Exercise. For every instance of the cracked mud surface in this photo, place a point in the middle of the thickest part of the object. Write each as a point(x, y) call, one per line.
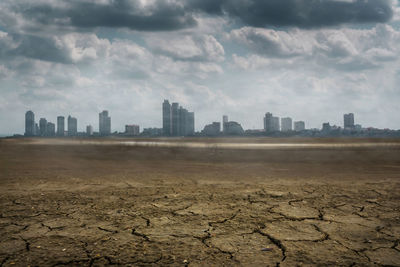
point(138, 206)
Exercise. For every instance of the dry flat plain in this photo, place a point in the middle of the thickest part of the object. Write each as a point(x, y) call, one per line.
point(116, 202)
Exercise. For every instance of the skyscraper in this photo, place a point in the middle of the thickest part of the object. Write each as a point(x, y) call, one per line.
point(104, 123)
point(50, 129)
point(60, 125)
point(190, 124)
point(72, 126)
point(224, 122)
point(268, 122)
point(183, 117)
point(175, 119)
point(348, 120)
point(29, 123)
point(167, 118)
point(275, 124)
point(299, 126)
point(42, 126)
point(286, 124)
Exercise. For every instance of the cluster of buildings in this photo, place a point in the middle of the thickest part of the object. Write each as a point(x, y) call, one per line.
point(48, 129)
point(273, 124)
point(178, 121)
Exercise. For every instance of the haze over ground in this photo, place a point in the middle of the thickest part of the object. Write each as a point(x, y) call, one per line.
point(310, 60)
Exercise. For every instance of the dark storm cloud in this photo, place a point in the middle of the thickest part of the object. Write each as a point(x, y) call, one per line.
point(298, 13)
point(162, 15)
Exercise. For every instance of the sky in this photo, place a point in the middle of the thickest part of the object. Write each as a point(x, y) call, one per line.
point(311, 60)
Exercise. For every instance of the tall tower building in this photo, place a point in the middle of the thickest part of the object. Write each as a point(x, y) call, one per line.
point(286, 124)
point(43, 126)
point(190, 123)
point(60, 125)
point(29, 123)
point(72, 126)
point(183, 117)
point(268, 127)
point(50, 129)
point(175, 119)
point(224, 122)
point(275, 124)
point(167, 118)
point(348, 120)
point(104, 123)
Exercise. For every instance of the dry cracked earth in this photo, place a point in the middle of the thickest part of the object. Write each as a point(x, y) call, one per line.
point(145, 206)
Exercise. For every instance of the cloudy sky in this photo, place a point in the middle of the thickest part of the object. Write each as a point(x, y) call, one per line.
point(311, 60)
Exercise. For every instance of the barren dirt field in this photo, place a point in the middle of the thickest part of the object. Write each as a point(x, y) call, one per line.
point(67, 202)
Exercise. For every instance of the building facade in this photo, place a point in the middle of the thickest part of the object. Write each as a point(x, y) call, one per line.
point(72, 126)
point(286, 124)
point(30, 123)
point(89, 130)
point(42, 126)
point(60, 125)
point(213, 129)
point(233, 128)
point(132, 130)
point(299, 126)
point(348, 120)
point(104, 123)
point(177, 121)
point(50, 129)
point(166, 118)
point(224, 122)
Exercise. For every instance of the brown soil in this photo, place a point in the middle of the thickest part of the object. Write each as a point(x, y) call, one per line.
point(95, 205)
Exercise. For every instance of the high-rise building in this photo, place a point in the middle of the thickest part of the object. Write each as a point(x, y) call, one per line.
point(42, 126)
point(60, 125)
point(167, 118)
point(50, 129)
point(72, 126)
point(348, 120)
point(132, 130)
point(190, 124)
point(286, 124)
point(104, 123)
point(268, 127)
point(224, 122)
point(271, 123)
point(37, 131)
point(29, 123)
point(175, 119)
point(299, 126)
point(275, 124)
point(89, 130)
point(183, 119)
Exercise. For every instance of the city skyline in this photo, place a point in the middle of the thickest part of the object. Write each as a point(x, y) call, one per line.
point(216, 57)
point(178, 121)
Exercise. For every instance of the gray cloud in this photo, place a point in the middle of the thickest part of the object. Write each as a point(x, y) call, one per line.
point(298, 13)
point(160, 15)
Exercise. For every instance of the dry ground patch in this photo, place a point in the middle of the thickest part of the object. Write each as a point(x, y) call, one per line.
point(100, 205)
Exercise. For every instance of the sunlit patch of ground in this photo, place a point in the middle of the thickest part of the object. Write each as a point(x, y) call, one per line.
point(337, 203)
